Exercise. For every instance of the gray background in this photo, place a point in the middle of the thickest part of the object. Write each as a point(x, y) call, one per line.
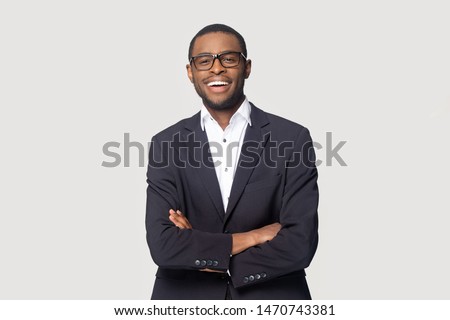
point(77, 74)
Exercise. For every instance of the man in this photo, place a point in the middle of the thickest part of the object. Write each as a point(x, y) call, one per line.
point(232, 191)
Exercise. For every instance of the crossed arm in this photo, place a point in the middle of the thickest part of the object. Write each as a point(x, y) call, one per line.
point(241, 241)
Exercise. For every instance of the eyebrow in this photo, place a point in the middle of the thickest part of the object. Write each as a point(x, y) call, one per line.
point(210, 53)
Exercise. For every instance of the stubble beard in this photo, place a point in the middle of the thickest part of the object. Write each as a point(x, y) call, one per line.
point(231, 102)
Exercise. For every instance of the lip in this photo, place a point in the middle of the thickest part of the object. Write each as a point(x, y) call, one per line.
point(219, 89)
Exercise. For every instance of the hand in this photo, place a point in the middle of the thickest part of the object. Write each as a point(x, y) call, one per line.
point(179, 219)
point(243, 241)
point(211, 270)
point(266, 233)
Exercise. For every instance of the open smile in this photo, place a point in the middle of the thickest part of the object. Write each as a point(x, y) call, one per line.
point(218, 86)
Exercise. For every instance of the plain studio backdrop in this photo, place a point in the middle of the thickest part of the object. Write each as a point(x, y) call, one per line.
point(75, 75)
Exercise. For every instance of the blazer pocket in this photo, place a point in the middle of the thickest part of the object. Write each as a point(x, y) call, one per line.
point(261, 184)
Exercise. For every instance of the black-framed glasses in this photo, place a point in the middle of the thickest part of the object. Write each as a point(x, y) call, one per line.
point(205, 61)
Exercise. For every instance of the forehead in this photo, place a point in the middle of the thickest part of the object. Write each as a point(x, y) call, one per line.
point(215, 42)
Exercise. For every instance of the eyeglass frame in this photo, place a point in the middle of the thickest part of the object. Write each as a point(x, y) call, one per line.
point(216, 56)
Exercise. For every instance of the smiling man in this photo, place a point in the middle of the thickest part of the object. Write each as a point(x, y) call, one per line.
point(232, 191)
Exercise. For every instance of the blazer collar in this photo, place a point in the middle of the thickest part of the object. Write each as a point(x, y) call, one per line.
point(257, 116)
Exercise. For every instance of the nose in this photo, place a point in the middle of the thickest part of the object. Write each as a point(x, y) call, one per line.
point(217, 67)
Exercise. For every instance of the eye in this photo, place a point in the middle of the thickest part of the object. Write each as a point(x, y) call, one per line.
point(229, 59)
point(204, 60)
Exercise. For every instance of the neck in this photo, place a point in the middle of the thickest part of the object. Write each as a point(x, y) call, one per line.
point(223, 116)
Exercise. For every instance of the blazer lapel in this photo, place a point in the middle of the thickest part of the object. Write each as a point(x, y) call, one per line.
point(256, 137)
point(201, 157)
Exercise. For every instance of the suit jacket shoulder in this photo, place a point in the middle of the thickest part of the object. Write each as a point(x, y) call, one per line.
point(168, 133)
point(279, 127)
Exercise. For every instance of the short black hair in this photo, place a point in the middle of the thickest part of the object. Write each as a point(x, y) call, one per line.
point(218, 28)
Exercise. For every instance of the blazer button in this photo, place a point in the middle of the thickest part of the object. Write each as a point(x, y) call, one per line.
point(203, 263)
point(215, 263)
point(197, 262)
point(257, 276)
point(251, 278)
point(209, 262)
point(263, 275)
point(245, 279)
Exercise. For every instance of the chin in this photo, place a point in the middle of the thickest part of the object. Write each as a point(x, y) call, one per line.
point(226, 104)
point(220, 106)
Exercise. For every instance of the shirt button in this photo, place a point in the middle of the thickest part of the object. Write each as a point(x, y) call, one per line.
point(224, 140)
point(226, 169)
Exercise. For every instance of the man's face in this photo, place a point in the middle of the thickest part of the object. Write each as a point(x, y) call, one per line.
point(220, 88)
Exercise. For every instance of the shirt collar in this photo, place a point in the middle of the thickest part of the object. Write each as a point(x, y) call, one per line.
point(243, 111)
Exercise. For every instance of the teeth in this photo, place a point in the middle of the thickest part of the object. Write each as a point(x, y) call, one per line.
point(217, 83)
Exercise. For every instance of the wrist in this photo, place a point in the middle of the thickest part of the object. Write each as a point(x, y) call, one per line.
point(254, 238)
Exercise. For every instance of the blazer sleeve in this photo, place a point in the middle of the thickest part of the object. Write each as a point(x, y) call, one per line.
point(294, 246)
point(171, 247)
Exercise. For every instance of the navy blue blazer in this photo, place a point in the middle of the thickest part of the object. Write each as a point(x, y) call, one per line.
point(275, 181)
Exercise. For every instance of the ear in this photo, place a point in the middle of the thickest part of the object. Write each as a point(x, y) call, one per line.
point(248, 68)
point(189, 73)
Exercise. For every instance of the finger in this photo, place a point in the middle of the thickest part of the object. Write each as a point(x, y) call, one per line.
point(210, 270)
point(181, 221)
point(188, 224)
point(177, 220)
point(175, 214)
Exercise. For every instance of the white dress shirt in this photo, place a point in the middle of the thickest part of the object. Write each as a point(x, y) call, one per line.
point(226, 145)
